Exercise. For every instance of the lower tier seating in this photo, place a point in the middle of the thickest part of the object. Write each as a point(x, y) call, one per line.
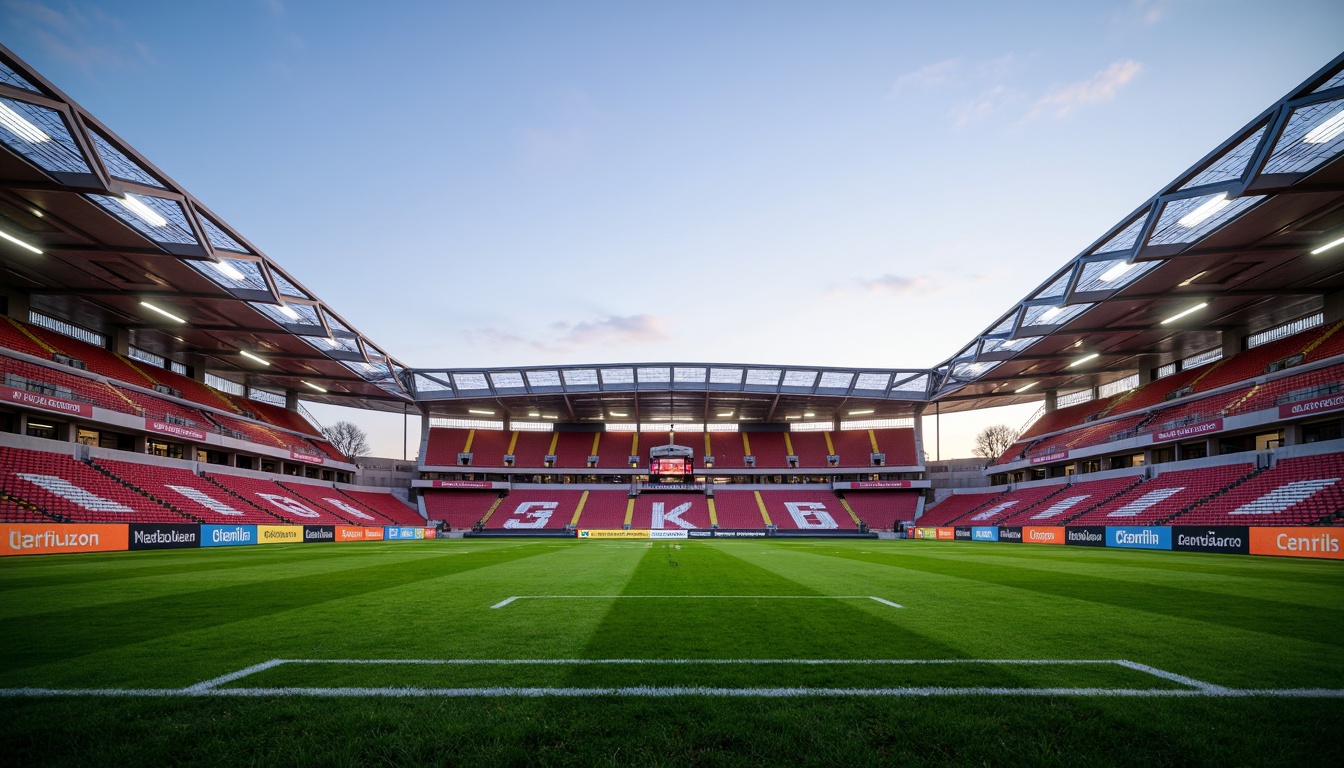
point(1075, 500)
point(883, 510)
point(1298, 491)
point(71, 491)
point(278, 500)
point(183, 490)
point(955, 507)
point(386, 505)
point(459, 510)
point(1165, 495)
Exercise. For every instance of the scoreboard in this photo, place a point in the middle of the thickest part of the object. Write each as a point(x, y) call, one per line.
point(670, 469)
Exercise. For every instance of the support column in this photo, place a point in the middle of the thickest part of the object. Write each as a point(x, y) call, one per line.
point(1232, 340)
point(16, 304)
point(1333, 309)
point(291, 400)
point(1051, 400)
point(120, 340)
point(1146, 365)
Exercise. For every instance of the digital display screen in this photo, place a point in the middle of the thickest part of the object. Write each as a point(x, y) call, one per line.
point(670, 469)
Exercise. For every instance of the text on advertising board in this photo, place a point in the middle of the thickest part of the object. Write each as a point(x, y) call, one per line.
point(45, 402)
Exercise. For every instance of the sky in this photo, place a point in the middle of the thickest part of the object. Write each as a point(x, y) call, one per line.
point(847, 183)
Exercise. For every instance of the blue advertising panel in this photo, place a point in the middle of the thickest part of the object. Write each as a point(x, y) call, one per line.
point(1139, 537)
point(984, 533)
point(402, 533)
point(228, 535)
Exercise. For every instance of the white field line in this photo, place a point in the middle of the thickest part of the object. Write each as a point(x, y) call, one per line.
point(1197, 688)
point(505, 602)
point(647, 691)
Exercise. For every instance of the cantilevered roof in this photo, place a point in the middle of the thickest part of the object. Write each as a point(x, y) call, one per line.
point(1234, 233)
point(116, 233)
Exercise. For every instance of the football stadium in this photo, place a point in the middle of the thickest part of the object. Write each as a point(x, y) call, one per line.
point(713, 562)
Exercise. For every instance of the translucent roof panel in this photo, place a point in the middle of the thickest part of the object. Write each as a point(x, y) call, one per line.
point(763, 377)
point(507, 380)
point(40, 134)
point(219, 239)
point(873, 382)
point(368, 371)
point(1111, 275)
point(1334, 82)
point(972, 371)
point(543, 378)
point(1231, 165)
point(620, 376)
point(800, 378)
point(158, 219)
point(1313, 135)
point(10, 77)
point(426, 384)
point(223, 273)
point(474, 382)
point(835, 380)
point(1057, 287)
point(654, 375)
point(285, 287)
point(1046, 315)
point(1008, 345)
point(1006, 325)
point(304, 314)
point(120, 166)
point(334, 324)
point(1123, 241)
point(918, 383)
point(580, 377)
point(1194, 218)
point(725, 375)
point(333, 343)
point(689, 375)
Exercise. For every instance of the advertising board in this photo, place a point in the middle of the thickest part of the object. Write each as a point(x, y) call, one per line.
point(163, 536)
point(55, 538)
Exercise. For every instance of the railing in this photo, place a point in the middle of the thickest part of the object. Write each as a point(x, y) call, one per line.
point(1307, 393)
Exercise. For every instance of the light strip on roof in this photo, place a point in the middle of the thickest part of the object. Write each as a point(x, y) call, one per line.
point(40, 426)
point(1020, 390)
point(289, 312)
point(1322, 249)
point(1326, 130)
point(1195, 217)
point(550, 417)
point(1050, 314)
point(534, 415)
point(480, 412)
point(314, 386)
point(148, 215)
point(20, 127)
point(1082, 360)
point(228, 270)
point(162, 311)
point(1116, 272)
point(863, 412)
point(1179, 315)
point(619, 414)
point(22, 244)
point(253, 357)
point(726, 415)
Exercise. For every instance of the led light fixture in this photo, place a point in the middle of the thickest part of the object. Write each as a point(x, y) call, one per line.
point(1082, 360)
point(144, 212)
point(162, 311)
point(253, 357)
point(1179, 315)
point(1197, 216)
point(314, 386)
point(19, 243)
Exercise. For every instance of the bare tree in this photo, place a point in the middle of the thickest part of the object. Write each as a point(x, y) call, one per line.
point(993, 441)
point(347, 438)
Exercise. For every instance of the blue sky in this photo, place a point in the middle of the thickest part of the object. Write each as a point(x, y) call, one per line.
point(865, 184)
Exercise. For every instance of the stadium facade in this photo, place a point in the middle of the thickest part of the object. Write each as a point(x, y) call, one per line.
point(1190, 362)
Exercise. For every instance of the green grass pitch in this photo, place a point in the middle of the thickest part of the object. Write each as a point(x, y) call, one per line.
point(153, 641)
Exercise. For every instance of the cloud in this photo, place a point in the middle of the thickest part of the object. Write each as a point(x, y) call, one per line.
point(1147, 12)
point(567, 337)
point(983, 105)
point(929, 75)
point(1061, 101)
point(84, 36)
point(900, 285)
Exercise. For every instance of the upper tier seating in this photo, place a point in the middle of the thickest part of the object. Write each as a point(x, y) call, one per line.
point(1074, 501)
point(615, 449)
point(882, 510)
point(531, 509)
point(459, 510)
point(1154, 393)
point(1297, 491)
point(278, 500)
point(855, 446)
point(810, 448)
point(529, 449)
point(275, 415)
point(70, 490)
point(1157, 499)
point(952, 508)
point(572, 449)
point(727, 450)
point(487, 446)
point(16, 336)
point(69, 386)
point(769, 450)
point(183, 490)
point(386, 505)
point(1309, 384)
point(899, 446)
point(97, 359)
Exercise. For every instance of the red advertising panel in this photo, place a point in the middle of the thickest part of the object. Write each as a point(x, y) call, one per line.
point(43, 539)
point(1298, 542)
point(880, 484)
point(310, 458)
point(1314, 405)
point(1187, 431)
point(175, 430)
point(1043, 535)
point(463, 484)
point(947, 534)
point(431, 533)
point(45, 402)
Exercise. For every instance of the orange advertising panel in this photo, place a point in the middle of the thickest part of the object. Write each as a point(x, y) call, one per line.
point(42, 539)
point(1298, 542)
point(1043, 535)
point(430, 533)
point(357, 533)
point(947, 534)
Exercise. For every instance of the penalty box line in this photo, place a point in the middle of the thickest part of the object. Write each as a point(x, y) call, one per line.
point(509, 600)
